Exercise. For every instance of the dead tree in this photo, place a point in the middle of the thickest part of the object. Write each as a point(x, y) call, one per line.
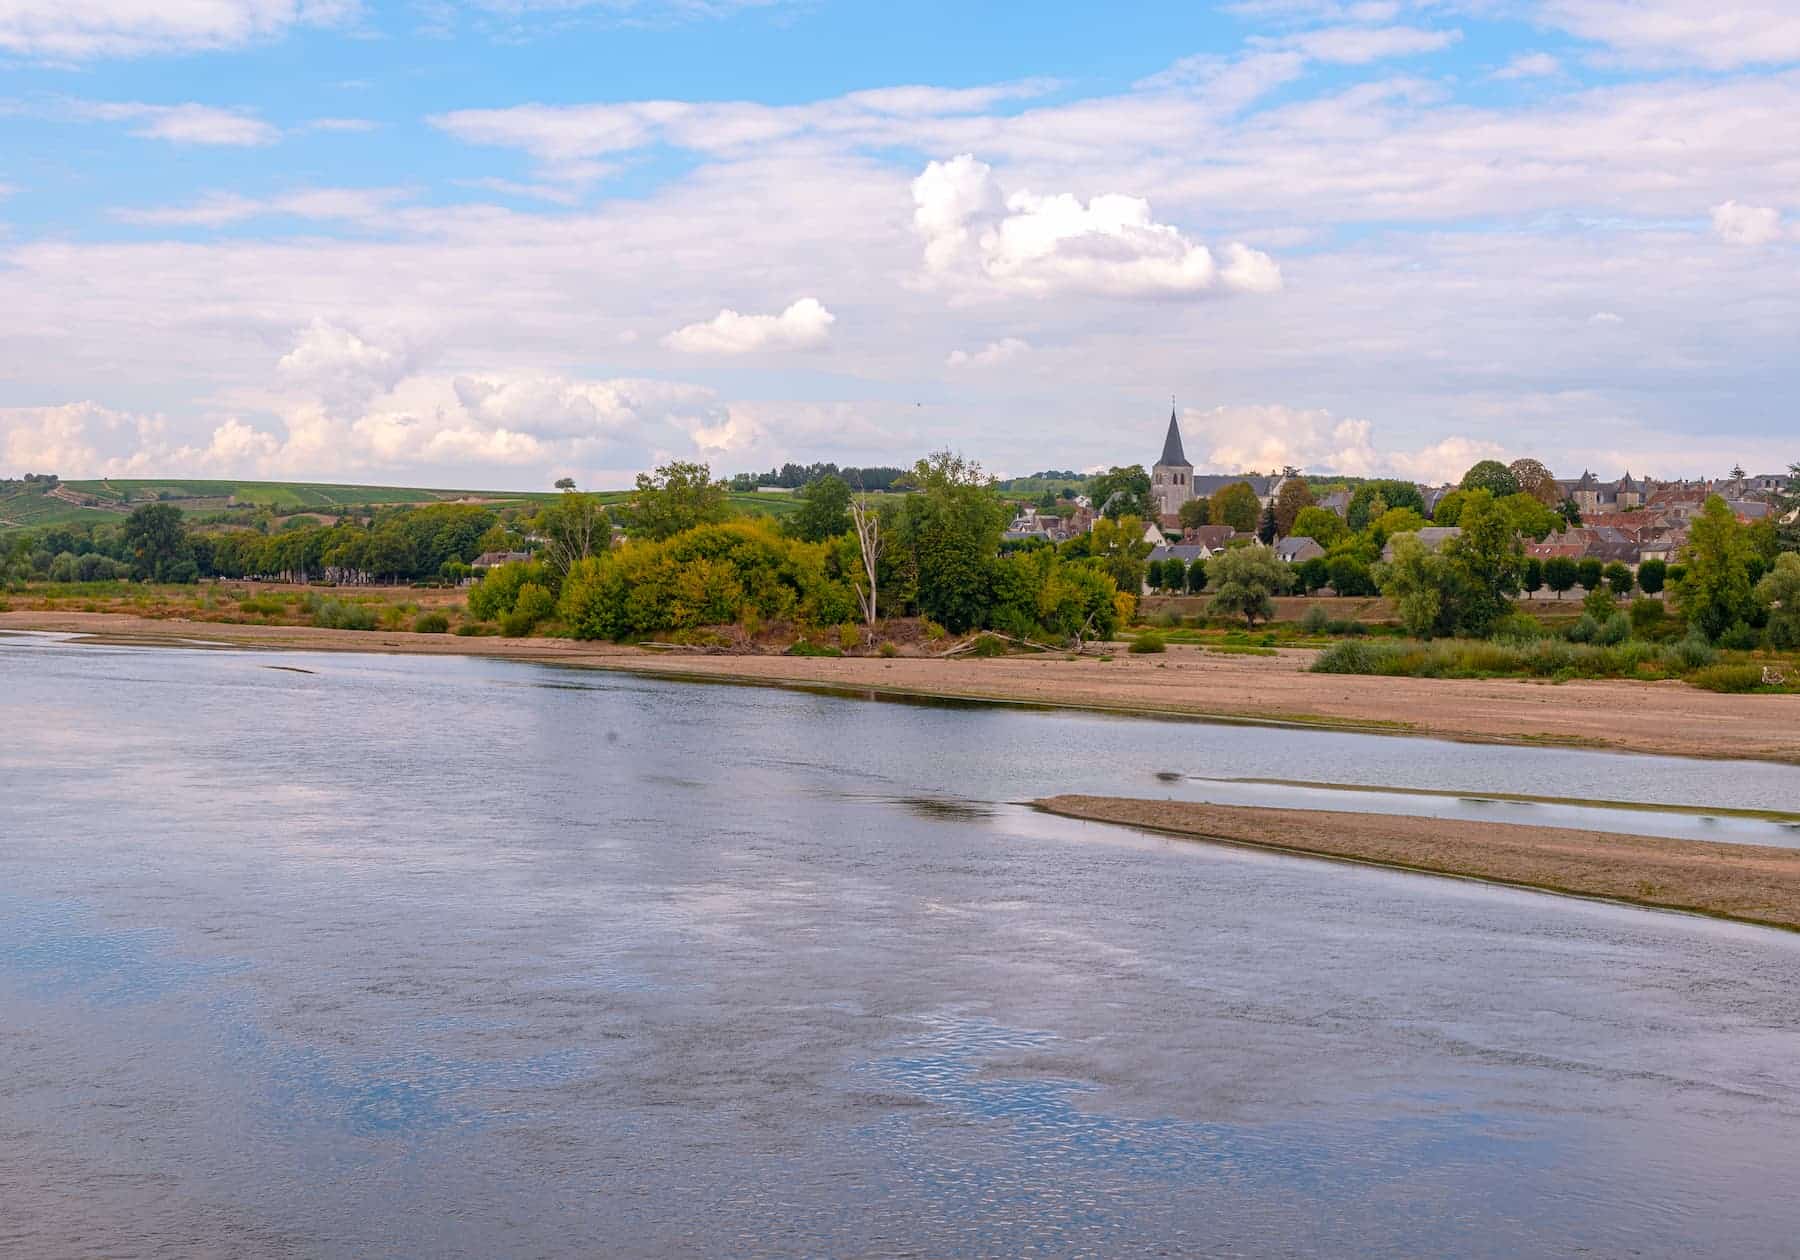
point(868, 540)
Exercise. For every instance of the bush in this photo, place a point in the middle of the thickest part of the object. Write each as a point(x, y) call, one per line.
point(331, 614)
point(988, 645)
point(1148, 642)
point(1691, 653)
point(1359, 658)
point(1613, 631)
point(849, 636)
point(1584, 630)
point(531, 605)
point(470, 629)
point(1518, 627)
point(806, 647)
point(1741, 637)
point(887, 649)
point(431, 623)
point(1647, 617)
point(1315, 620)
point(1730, 678)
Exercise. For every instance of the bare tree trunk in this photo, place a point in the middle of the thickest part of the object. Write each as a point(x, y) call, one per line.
point(868, 539)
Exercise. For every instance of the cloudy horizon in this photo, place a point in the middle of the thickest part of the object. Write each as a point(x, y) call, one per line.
point(489, 243)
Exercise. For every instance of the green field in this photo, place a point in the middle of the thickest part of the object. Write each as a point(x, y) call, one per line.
point(30, 509)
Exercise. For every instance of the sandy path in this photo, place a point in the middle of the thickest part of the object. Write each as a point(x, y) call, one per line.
point(1668, 717)
point(1738, 881)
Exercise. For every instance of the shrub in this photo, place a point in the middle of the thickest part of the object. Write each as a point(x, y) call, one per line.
point(531, 604)
point(1584, 630)
point(1315, 620)
point(848, 636)
point(887, 649)
point(805, 647)
point(470, 629)
point(1359, 658)
point(988, 645)
point(1741, 636)
point(1518, 627)
point(1647, 617)
point(1613, 631)
point(431, 623)
point(1149, 642)
point(334, 615)
point(1730, 678)
point(1690, 653)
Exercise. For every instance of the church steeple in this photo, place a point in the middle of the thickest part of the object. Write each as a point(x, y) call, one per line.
point(1172, 455)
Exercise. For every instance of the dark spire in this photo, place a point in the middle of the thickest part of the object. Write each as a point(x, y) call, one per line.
point(1172, 455)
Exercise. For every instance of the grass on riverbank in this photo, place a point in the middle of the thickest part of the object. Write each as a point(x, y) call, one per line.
point(1559, 661)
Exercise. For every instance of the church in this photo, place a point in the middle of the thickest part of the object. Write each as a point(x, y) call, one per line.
point(1172, 481)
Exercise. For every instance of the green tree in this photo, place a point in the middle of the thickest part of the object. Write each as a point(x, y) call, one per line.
point(1237, 506)
point(1267, 529)
point(1245, 581)
point(1449, 508)
point(1531, 576)
point(574, 528)
point(1560, 574)
point(1174, 575)
point(1312, 574)
point(1120, 549)
point(1590, 571)
point(1153, 574)
point(1130, 483)
point(1620, 578)
point(1493, 476)
point(1295, 497)
point(824, 511)
point(1196, 577)
point(1350, 575)
point(678, 496)
point(1195, 513)
point(950, 528)
point(155, 540)
point(1529, 517)
point(1322, 525)
point(1651, 575)
point(1421, 583)
point(1780, 590)
point(1390, 494)
point(1570, 512)
point(1715, 592)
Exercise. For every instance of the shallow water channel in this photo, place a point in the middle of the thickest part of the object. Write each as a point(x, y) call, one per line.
point(452, 957)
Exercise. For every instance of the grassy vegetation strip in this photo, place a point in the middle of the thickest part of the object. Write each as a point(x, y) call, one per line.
point(1526, 798)
point(1752, 883)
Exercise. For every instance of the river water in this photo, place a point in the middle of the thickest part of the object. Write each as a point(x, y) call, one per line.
point(448, 957)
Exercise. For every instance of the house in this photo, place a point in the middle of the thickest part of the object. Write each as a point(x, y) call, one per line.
point(1433, 536)
point(1187, 553)
point(494, 559)
point(1211, 539)
point(1433, 495)
point(1337, 501)
point(1298, 550)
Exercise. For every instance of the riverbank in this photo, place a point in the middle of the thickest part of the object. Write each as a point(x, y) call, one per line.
point(1750, 883)
point(1668, 718)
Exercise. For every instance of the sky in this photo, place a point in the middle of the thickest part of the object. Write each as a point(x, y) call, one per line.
point(490, 243)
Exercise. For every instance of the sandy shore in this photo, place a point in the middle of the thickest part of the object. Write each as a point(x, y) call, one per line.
point(1669, 717)
point(1735, 881)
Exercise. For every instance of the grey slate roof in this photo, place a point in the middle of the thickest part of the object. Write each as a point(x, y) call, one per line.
point(1172, 455)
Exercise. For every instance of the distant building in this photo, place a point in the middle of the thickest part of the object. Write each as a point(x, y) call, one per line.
point(1433, 536)
point(1172, 480)
point(1297, 549)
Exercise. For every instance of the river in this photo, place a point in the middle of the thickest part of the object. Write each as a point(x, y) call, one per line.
point(336, 955)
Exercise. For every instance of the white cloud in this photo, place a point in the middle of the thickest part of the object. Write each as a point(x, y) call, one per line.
point(183, 124)
point(344, 125)
point(1269, 437)
point(1039, 245)
point(79, 30)
point(219, 209)
point(1537, 65)
point(804, 325)
point(995, 352)
point(1605, 317)
point(1360, 45)
point(1684, 32)
point(341, 367)
point(1737, 224)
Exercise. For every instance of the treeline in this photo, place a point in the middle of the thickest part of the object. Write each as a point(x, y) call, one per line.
point(793, 476)
point(838, 560)
point(156, 543)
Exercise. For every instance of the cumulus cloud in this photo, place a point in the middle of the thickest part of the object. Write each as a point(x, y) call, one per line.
point(1445, 461)
point(184, 124)
point(64, 31)
point(88, 439)
point(340, 366)
point(1737, 224)
point(1003, 351)
point(1530, 66)
point(805, 325)
point(1040, 245)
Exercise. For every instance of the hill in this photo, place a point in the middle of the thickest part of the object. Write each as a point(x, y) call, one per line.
point(26, 505)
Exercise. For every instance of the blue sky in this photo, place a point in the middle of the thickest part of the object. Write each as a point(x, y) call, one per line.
point(491, 242)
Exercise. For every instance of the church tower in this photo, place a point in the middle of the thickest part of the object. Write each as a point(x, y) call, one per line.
point(1172, 480)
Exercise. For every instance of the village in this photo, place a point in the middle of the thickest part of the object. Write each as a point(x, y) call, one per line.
point(1187, 517)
